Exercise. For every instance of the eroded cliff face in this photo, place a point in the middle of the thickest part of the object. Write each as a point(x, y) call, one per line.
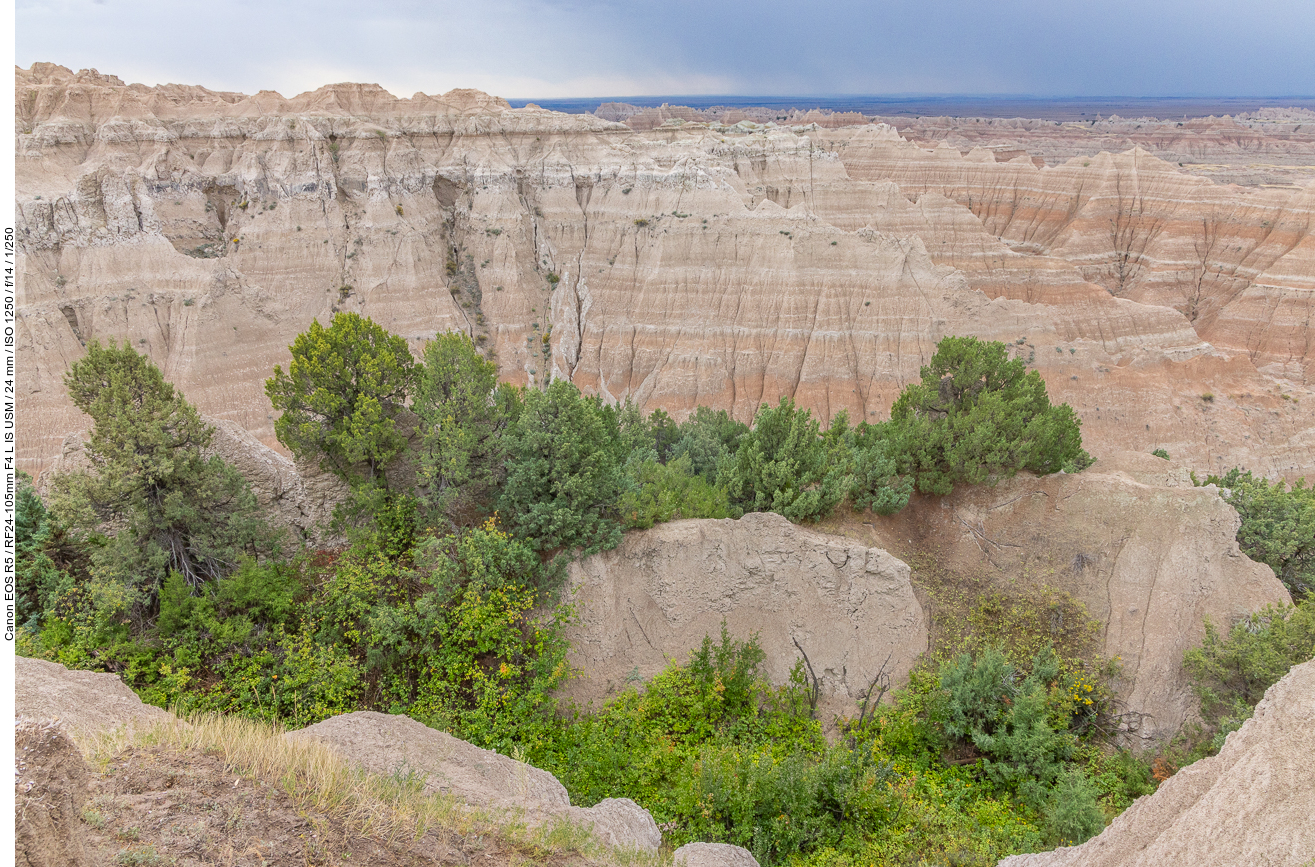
point(1149, 556)
point(679, 266)
point(849, 607)
point(1249, 805)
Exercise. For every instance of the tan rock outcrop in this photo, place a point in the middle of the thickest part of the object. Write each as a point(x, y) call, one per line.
point(51, 785)
point(388, 744)
point(85, 703)
point(713, 855)
point(685, 265)
point(1148, 555)
point(654, 599)
point(1250, 805)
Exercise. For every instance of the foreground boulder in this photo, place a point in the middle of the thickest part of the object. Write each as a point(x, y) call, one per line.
point(713, 855)
point(387, 744)
point(1250, 805)
point(50, 781)
point(85, 702)
point(654, 598)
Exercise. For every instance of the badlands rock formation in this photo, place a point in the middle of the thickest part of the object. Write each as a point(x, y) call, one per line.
point(713, 855)
point(50, 781)
point(1148, 555)
point(83, 702)
point(1250, 805)
point(654, 599)
point(683, 265)
point(384, 744)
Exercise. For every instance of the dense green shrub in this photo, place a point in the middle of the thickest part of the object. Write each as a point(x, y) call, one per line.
point(877, 484)
point(664, 492)
point(1008, 716)
point(1072, 811)
point(978, 416)
point(783, 465)
point(565, 479)
point(38, 581)
point(1230, 674)
point(1278, 525)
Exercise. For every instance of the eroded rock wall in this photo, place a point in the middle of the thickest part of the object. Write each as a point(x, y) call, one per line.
point(652, 600)
point(1149, 556)
point(1249, 805)
point(678, 266)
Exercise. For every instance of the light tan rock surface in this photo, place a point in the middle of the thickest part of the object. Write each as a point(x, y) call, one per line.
point(1148, 555)
point(678, 266)
point(84, 702)
point(50, 782)
point(1249, 806)
point(713, 855)
point(654, 598)
point(388, 744)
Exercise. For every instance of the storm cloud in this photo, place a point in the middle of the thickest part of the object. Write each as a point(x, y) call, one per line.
point(560, 48)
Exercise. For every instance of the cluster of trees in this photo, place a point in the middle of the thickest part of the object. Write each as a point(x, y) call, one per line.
point(467, 499)
point(442, 440)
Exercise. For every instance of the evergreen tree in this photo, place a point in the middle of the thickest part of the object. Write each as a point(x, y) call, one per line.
point(784, 465)
point(977, 416)
point(38, 580)
point(150, 486)
point(710, 439)
point(464, 414)
point(342, 396)
point(565, 481)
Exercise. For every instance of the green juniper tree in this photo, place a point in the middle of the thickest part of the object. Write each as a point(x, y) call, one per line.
point(165, 505)
point(784, 465)
point(342, 396)
point(565, 479)
point(978, 416)
point(464, 414)
point(343, 400)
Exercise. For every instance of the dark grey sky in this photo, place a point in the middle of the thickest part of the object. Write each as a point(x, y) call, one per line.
point(560, 48)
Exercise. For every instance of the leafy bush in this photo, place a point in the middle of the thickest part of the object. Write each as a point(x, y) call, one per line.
point(1007, 716)
point(1072, 812)
point(670, 491)
point(1230, 674)
point(783, 466)
point(1278, 525)
point(978, 416)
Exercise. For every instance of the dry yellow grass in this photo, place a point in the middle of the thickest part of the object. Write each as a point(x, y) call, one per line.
point(388, 808)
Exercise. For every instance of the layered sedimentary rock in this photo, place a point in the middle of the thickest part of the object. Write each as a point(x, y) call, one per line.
point(1249, 805)
point(684, 265)
point(1150, 557)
